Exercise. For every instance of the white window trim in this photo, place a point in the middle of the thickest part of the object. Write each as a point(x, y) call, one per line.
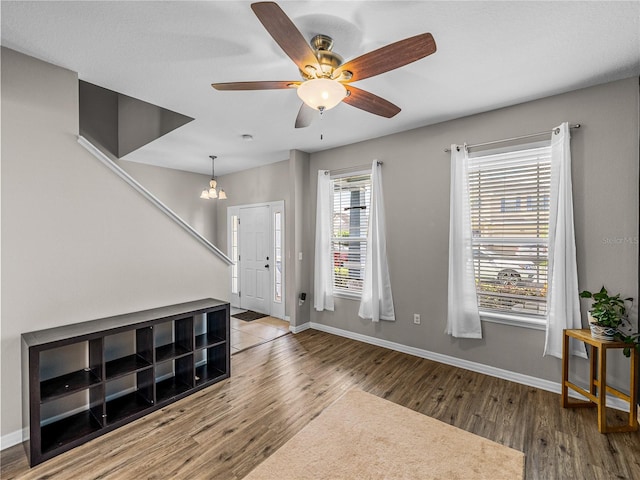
point(513, 320)
point(347, 295)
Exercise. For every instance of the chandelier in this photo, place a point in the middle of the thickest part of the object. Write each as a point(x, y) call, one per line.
point(212, 192)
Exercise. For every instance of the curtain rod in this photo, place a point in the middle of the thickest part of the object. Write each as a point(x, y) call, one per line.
point(348, 169)
point(555, 130)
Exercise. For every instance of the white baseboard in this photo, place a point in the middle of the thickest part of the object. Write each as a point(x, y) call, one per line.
point(555, 387)
point(13, 438)
point(300, 328)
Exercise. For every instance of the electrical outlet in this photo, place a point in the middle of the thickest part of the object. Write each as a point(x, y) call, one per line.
point(416, 318)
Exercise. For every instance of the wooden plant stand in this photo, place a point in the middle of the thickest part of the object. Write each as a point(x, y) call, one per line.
point(598, 380)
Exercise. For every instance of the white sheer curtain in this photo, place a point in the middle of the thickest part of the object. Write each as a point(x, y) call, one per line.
point(463, 319)
point(323, 270)
point(376, 302)
point(563, 305)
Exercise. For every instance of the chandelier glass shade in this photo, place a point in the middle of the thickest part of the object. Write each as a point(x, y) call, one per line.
point(212, 192)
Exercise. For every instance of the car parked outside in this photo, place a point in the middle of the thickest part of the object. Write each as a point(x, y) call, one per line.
point(494, 267)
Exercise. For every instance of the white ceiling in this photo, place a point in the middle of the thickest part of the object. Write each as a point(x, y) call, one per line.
point(490, 54)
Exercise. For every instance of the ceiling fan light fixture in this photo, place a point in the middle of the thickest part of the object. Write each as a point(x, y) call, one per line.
point(322, 93)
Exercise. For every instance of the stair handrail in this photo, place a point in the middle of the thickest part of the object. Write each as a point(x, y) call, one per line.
point(114, 167)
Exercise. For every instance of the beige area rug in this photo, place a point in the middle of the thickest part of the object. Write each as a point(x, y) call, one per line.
point(362, 436)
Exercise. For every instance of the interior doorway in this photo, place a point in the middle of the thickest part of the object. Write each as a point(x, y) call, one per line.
point(256, 245)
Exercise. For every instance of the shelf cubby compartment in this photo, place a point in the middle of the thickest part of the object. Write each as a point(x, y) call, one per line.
point(211, 329)
point(83, 359)
point(72, 426)
point(173, 339)
point(207, 340)
point(211, 364)
point(129, 395)
point(67, 384)
point(128, 352)
point(68, 430)
point(173, 378)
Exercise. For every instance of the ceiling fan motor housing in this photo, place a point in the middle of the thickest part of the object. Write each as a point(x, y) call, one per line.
point(328, 59)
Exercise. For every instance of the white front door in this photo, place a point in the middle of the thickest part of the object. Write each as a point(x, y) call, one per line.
point(255, 262)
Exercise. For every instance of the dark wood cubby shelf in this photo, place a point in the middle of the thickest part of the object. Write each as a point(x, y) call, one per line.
point(126, 406)
point(101, 385)
point(125, 365)
point(170, 351)
point(170, 388)
point(208, 373)
point(58, 434)
point(208, 340)
point(66, 384)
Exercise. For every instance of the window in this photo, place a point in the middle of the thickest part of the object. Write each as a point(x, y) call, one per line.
point(277, 247)
point(509, 201)
point(350, 219)
point(234, 254)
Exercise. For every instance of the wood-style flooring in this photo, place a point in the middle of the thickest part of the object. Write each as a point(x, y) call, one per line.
point(277, 388)
point(248, 334)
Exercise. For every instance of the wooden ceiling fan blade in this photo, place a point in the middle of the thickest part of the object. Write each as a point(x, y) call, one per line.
point(370, 103)
point(285, 33)
point(390, 57)
point(255, 85)
point(306, 115)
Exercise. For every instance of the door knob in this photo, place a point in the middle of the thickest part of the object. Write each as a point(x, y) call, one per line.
point(266, 266)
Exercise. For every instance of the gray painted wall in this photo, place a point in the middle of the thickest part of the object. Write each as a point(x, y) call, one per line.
point(416, 180)
point(180, 191)
point(269, 183)
point(122, 124)
point(298, 173)
point(99, 116)
point(77, 242)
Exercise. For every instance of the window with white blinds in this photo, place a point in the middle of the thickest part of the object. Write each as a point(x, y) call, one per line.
point(350, 220)
point(509, 202)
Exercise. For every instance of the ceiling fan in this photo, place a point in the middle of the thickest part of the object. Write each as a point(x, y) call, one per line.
point(326, 80)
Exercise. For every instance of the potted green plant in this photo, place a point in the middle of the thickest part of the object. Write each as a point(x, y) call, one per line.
point(606, 314)
point(634, 338)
